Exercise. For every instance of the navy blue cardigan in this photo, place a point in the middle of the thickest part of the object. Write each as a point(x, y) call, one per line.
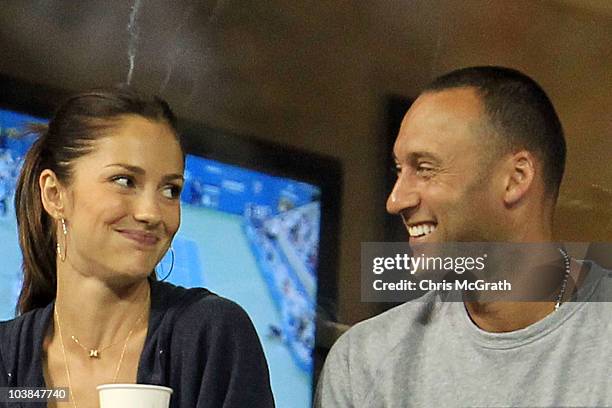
point(201, 345)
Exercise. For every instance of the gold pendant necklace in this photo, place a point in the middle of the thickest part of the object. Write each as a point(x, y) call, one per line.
point(95, 352)
point(127, 340)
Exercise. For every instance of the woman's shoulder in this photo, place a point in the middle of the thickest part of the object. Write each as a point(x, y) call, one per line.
point(19, 338)
point(198, 308)
point(210, 345)
point(27, 324)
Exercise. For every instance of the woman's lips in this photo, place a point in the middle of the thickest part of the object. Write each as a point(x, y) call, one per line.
point(140, 237)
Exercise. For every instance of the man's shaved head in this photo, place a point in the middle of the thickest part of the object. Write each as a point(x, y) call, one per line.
point(518, 112)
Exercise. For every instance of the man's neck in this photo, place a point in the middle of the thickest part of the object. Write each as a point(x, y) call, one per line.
point(507, 316)
point(500, 317)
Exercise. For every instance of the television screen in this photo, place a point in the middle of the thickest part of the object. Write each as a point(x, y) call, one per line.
point(247, 235)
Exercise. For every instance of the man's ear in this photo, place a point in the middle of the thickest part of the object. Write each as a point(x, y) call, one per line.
point(51, 193)
point(520, 176)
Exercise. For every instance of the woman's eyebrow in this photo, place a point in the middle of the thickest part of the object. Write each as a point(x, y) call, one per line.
point(133, 169)
point(141, 171)
point(175, 176)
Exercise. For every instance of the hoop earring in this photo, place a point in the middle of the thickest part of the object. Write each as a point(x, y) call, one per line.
point(60, 253)
point(171, 265)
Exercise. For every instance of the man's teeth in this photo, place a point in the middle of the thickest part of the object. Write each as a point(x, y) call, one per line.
point(421, 230)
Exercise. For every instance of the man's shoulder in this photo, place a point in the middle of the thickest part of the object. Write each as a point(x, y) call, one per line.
point(597, 286)
point(374, 349)
point(604, 288)
point(383, 334)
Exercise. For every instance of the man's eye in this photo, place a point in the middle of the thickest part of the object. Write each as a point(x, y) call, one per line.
point(424, 170)
point(171, 192)
point(397, 169)
point(123, 181)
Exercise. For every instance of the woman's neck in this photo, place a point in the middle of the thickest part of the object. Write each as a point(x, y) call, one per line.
point(96, 313)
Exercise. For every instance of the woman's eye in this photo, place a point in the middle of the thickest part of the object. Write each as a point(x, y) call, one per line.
point(123, 181)
point(171, 192)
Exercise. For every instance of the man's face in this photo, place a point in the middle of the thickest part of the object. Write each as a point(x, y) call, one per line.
point(446, 188)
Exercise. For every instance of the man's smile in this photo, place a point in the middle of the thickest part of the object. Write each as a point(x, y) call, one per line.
point(421, 229)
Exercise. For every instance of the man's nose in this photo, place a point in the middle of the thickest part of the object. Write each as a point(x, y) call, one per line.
point(404, 196)
point(147, 208)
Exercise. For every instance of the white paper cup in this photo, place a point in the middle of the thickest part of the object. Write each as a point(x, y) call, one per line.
point(134, 396)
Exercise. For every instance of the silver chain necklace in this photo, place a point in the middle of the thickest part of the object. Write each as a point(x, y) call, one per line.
point(566, 263)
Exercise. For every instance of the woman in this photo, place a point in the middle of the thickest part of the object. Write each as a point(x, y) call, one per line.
point(97, 208)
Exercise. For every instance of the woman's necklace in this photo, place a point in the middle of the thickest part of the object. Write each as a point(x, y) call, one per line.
point(127, 340)
point(95, 352)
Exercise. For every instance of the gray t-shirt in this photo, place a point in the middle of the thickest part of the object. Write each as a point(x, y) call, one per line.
point(429, 353)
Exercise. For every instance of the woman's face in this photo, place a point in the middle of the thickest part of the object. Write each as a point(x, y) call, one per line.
point(123, 205)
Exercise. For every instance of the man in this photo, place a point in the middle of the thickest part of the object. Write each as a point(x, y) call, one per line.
point(480, 156)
